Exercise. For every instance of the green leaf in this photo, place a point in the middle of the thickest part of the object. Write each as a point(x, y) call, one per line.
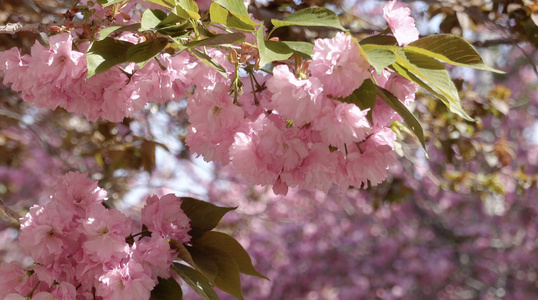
point(175, 30)
point(379, 58)
point(103, 55)
point(106, 3)
point(219, 267)
point(238, 9)
point(380, 39)
point(182, 252)
point(218, 39)
point(204, 215)
point(364, 97)
point(166, 289)
point(400, 108)
point(117, 29)
point(107, 31)
point(237, 23)
point(312, 16)
point(170, 20)
point(209, 61)
point(169, 3)
point(151, 18)
point(189, 7)
point(432, 74)
point(196, 281)
point(303, 49)
point(220, 15)
point(143, 52)
point(451, 49)
point(230, 246)
point(271, 50)
point(205, 264)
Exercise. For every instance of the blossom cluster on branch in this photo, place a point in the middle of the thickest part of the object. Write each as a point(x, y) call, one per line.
point(82, 250)
point(282, 113)
point(286, 129)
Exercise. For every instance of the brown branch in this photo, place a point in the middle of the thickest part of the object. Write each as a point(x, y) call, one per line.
point(10, 214)
point(12, 28)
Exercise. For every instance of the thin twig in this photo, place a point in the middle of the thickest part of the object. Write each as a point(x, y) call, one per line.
point(12, 28)
point(10, 214)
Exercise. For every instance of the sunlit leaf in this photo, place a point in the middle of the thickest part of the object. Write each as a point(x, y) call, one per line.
point(104, 33)
point(238, 9)
point(303, 49)
point(151, 18)
point(189, 7)
point(271, 50)
point(106, 3)
point(168, 3)
point(379, 58)
point(380, 39)
point(432, 76)
point(451, 49)
point(105, 54)
point(312, 16)
point(220, 15)
point(218, 39)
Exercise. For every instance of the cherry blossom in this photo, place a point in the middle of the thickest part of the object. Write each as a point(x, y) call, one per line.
point(402, 25)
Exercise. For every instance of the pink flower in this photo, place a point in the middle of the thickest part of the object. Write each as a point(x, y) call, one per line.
point(245, 159)
point(402, 88)
point(14, 67)
point(214, 121)
point(14, 296)
point(61, 65)
point(44, 296)
point(317, 170)
point(212, 148)
point(400, 22)
point(127, 282)
point(15, 279)
point(383, 114)
point(76, 192)
point(165, 217)
point(154, 255)
point(296, 100)
point(105, 231)
point(338, 64)
point(154, 84)
point(342, 123)
point(43, 231)
point(370, 165)
point(62, 269)
point(213, 111)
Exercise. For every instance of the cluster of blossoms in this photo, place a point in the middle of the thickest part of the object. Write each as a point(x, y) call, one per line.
point(56, 77)
point(82, 250)
point(287, 129)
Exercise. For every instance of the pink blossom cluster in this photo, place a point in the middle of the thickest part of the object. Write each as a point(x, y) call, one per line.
point(82, 250)
point(56, 77)
point(289, 130)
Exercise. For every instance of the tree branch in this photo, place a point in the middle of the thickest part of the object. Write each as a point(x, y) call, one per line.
point(12, 28)
point(10, 214)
